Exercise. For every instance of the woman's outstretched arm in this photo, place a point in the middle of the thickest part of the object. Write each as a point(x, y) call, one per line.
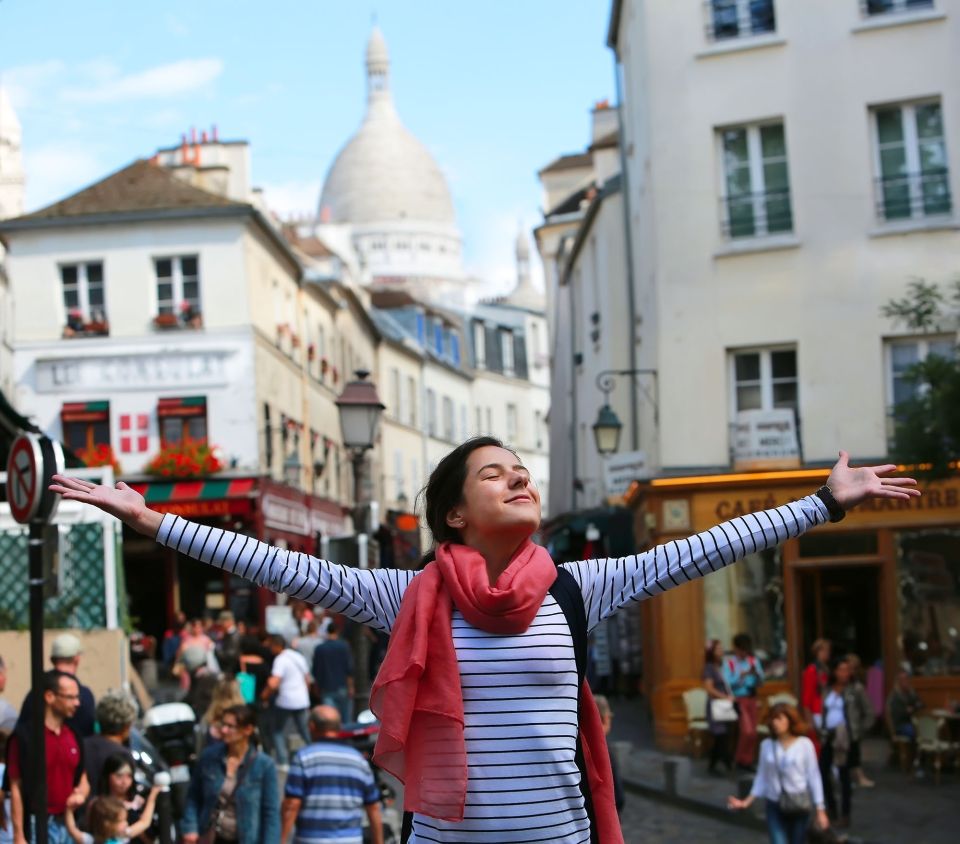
point(609, 584)
point(367, 596)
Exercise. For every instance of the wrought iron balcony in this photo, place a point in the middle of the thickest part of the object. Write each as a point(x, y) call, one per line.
point(914, 195)
point(756, 214)
point(726, 19)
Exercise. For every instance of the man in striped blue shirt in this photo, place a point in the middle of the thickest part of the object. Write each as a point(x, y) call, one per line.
point(328, 788)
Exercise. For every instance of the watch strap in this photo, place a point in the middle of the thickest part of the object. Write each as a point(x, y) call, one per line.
point(833, 506)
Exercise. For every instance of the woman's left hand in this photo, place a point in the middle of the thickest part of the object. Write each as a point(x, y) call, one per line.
point(854, 486)
point(823, 822)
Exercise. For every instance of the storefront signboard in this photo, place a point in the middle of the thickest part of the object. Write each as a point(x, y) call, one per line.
point(621, 470)
point(765, 439)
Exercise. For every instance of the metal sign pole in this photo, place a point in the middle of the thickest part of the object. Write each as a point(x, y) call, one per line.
point(38, 788)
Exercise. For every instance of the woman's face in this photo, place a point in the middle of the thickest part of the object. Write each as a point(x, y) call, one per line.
point(780, 724)
point(842, 673)
point(120, 782)
point(823, 654)
point(498, 496)
point(233, 734)
point(718, 652)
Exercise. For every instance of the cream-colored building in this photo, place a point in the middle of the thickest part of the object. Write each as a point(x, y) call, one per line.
point(790, 167)
point(12, 180)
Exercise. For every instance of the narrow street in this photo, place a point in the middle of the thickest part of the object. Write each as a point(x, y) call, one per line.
point(645, 821)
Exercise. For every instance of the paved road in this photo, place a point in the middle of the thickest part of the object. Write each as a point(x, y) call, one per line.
point(646, 822)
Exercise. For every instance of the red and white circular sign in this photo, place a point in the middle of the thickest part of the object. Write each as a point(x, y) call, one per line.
point(24, 477)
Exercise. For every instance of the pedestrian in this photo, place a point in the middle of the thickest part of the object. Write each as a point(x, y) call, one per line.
point(171, 640)
point(333, 675)
point(117, 781)
point(65, 657)
point(233, 794)
point(488, 639)
point(903, 703)
point(606, 718)
point(196, 649)
point(6, 821)
point(721, 708)
point(116, 712)
point(227, 647)
point(860, 717)
point(835, 739)
point(226, 693)
point(788, 779)
point(8, 714)
point(813, 682)
point(202, 679)
point(66, 779)
point(307, 643)
point(107, 820)
point(744, 675)
point(329, 788)
point(288, 692)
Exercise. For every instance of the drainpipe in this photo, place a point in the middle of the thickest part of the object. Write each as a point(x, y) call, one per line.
point(631, 293)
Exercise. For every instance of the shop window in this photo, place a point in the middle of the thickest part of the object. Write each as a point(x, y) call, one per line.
point(928, 579)
point(86, 425)
point(182, 420)
point(840, 544)
point(449, 433)
point(748, 598)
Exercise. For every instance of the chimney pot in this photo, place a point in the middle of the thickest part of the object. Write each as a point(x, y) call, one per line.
point(203, 137)
point(193, 134)
point(215, 136)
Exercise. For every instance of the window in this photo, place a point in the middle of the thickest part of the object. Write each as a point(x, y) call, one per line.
point(455, 348)
point(765, 379)
point(86, 426)
point(431, 412)
point(449, 431)
point(928, 578)
point(911, 161)
point(438, 337)
point(463, 421)
point(756, 185)
point(903, 354)
point(506, 351)
point(478, 413)
point(885, 7)
point(739, 18)
point(84, 297)
point(421, 330)
point(748, 598)
point(411, 415)
point(398, 478)
point(479, 344)
point(538, 428)
point(178, 285)
point(182, 420)
point(511, 422)
point(489, 420)
point(395, 409)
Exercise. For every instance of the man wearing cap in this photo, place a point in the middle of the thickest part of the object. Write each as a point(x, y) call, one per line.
point(65, 656)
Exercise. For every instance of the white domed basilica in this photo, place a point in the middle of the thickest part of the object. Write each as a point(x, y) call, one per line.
point(389, 192)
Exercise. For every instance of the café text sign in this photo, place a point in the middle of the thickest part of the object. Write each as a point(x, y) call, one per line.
point(139, 372)
point(621, 470)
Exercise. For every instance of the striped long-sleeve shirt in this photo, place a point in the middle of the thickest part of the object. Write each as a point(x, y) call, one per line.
point(519, 692)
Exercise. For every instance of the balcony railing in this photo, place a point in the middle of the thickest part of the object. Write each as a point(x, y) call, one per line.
point(756, 214)
point(872, 8)
point(914, 195)
point(726, 19)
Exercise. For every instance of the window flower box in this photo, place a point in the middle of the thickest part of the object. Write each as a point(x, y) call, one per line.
point(186, 459)
point(311, 352)
point(166, 321)
point(295, 341)
point(324, 366)
point(100, 455)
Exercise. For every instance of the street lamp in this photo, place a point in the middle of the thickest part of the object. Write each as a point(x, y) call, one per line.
point(360, 410)
point(607, 428)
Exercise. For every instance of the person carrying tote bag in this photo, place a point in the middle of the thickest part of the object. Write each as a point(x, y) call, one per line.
point(788, 778)
point(721, 708)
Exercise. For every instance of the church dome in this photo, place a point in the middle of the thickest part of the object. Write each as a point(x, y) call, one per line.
point(383, 173)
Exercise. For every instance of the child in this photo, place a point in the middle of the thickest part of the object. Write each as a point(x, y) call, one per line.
point(107, 817)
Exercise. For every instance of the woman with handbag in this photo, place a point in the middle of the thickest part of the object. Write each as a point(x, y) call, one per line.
point(721, 708)
point(788, 778)
point(233, 795)
point(836, 739)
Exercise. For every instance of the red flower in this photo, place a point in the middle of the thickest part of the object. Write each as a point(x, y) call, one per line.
point(186, 459)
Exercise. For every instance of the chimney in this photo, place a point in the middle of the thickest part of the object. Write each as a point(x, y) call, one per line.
point(193, 134)
point(203, 137)
point(216, 138)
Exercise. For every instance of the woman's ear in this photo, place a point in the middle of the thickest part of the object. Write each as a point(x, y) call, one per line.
point(455, 519)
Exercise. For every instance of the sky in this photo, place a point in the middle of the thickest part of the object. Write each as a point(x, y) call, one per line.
point(495, 90)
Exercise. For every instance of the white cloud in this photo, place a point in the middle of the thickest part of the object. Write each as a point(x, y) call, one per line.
point(25, 83)
point(55, 171)
point(292, 199)
point(164, 81)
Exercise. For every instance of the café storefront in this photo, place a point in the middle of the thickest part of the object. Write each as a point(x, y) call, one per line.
point(162, 582)
point(884, 583)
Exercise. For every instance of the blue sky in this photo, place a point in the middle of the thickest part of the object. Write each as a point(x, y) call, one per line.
point(495, 90)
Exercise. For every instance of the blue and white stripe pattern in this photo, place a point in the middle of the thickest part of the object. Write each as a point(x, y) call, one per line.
point(334, 783)
point(519, 692)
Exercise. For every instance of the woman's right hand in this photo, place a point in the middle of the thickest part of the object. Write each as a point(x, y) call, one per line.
point(736, 803)
point(121, 501)
point(190, 838)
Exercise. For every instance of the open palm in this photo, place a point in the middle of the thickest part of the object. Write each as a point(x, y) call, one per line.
point(121, 501)
point(852, 486)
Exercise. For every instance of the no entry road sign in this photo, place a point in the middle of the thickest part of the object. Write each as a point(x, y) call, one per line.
point(25, 477)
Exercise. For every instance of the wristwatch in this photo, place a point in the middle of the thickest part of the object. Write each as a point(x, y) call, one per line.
point(833, 506)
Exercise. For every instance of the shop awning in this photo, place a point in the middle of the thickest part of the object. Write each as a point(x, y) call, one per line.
point(198, 498)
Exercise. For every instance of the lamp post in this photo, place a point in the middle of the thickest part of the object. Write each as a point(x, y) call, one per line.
point(607, 428)
point(360, 410)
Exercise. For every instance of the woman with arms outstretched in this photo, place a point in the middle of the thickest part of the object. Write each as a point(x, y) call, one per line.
point(485, 715)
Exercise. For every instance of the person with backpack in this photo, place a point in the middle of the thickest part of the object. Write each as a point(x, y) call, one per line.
point(482, 691)
point(744, 675)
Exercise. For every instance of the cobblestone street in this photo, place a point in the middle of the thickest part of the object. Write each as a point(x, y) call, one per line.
point(645, 821)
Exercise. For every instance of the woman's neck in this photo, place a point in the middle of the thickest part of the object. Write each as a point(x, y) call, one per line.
point(497, 552)
point(786, 739)
point(238, 750)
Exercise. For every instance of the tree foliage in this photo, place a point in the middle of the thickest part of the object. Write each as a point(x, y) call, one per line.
point(927, 425)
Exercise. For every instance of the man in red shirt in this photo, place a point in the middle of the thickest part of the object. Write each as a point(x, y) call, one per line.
point(66, 781)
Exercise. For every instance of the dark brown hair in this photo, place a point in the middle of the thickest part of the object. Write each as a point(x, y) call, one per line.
point(103, 811)
point(708, 651)
point(797, 726)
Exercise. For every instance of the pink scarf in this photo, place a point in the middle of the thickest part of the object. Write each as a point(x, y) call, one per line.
point(417, 694)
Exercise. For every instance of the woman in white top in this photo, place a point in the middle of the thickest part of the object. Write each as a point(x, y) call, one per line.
point(484, 713)
point(788, 764)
